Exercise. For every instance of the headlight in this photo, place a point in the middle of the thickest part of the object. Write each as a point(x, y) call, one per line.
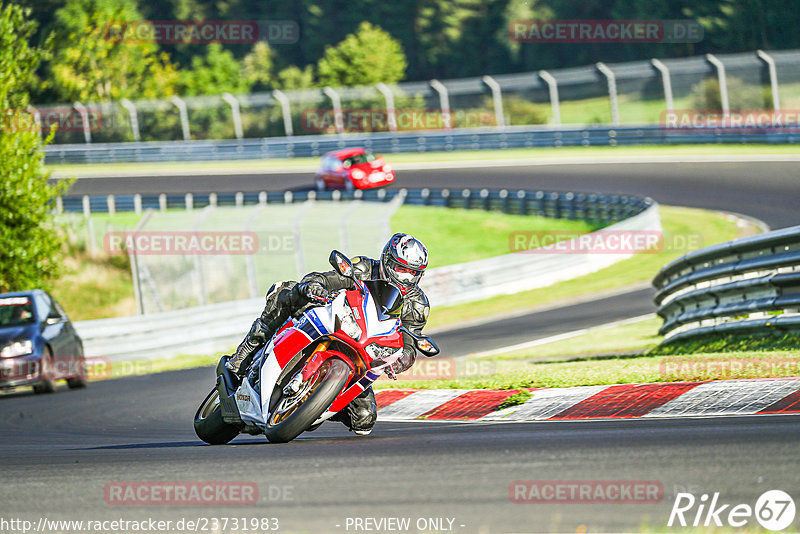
point(381, 352)
point(17, 348)
point(348, 322)
point(358, 174)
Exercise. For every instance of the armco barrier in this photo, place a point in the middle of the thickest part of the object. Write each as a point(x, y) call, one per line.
point(430, 141)
point(216, 327)
point(557, 205)
point(748, 285)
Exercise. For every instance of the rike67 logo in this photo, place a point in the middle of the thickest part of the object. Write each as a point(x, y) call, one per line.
point(774, 510)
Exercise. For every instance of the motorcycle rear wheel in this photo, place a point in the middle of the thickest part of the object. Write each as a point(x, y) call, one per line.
point(293, 415)
point(208, 423)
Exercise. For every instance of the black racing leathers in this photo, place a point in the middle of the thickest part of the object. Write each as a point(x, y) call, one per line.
point(415, 304)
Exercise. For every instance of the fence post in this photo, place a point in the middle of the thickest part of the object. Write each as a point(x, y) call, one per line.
point(773, 78)
point(286, 111)
point(236, 113)
point(134, 116)
point(425, 193)
point(570, 201)
point(446, 197)
point(212, 199)
point(723, 84)
point(239, 199)
point(444, 103)
point(87, 208)
point(137, 204)
point(189, 198)
point(467, 194)
point(337, 108)
point(59, 205)
point(552, 86)
point(112, 207)
point(504, 197)
point(485, 199)
point(262, 198)
point(250, 261)
point(184, 115)
point(162, 202)
point(666, 81)
point(612, 91)
point(84, 113)
point(497, 98)
point(391, 116)
point(522, 195)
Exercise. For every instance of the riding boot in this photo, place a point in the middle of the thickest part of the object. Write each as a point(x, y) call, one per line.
point(360, 415)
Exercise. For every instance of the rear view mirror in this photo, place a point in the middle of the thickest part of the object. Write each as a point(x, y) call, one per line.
point(426, 346)
point(341, 264)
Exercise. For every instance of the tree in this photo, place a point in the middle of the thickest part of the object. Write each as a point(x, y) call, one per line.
point(96, 60)
point(295, 78)
point(30, 244)
point(213, 74)
point(257, 67)
point(366, 57)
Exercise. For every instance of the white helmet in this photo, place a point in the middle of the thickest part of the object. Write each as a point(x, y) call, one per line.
point(403, 261)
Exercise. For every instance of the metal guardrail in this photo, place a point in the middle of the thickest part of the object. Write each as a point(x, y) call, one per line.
point(557, 205)
point(748, 285)
point(218, 326)
point(439, 141)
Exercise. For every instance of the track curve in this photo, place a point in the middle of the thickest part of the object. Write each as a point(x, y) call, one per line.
point(60, 451)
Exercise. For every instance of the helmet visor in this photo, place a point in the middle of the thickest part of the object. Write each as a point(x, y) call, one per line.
point(405, 275)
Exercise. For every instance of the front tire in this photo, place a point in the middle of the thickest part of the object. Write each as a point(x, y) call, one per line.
point(47, 383)
point(292, 416)
point(208, 423)
point(80, 381)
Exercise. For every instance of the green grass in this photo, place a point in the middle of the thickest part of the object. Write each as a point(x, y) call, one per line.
point(457, 235)
point(504, 374)
point(684, 229)
point(98, 285)
point(639, 336)
point(537, 154)
point(732, 343)
point(94, 287)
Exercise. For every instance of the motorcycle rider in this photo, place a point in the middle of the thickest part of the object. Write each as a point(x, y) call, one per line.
point(402, 263)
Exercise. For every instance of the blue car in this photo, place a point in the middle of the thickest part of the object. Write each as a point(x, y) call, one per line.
point(38, 344)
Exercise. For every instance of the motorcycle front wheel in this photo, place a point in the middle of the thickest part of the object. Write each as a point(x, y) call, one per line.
point(208, 423)
point(294, 413)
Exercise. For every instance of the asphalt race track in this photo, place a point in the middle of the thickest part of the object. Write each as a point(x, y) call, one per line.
point(766, 190)
point(59, 452)
point(511, 331)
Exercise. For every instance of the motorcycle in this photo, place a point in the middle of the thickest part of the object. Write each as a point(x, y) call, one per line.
point(313, 366)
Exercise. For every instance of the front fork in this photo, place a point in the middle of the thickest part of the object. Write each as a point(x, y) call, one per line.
point(227, 390)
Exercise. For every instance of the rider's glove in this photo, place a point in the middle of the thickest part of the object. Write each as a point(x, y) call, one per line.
point(313, 292)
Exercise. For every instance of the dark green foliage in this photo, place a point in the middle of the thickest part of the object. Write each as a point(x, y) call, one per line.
point(30, 247)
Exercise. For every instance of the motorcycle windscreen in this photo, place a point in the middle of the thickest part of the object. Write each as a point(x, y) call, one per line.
point(388, 299)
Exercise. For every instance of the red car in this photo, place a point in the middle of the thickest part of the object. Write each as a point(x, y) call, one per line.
point(352, 168)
